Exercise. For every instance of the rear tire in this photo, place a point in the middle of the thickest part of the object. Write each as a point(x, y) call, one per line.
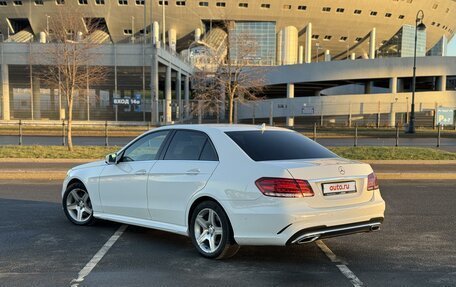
point(211, 232)
point(77, 205)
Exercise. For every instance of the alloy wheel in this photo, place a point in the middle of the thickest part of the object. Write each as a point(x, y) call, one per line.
point(78, 205)
point(208, 230)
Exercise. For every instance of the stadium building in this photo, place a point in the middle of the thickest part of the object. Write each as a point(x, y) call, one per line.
point(329, 61)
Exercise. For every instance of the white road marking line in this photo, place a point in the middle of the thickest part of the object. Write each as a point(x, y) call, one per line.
point(98, 256)
point(340, 265)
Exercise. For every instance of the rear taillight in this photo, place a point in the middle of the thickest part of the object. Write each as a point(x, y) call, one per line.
point(284, 187)
point(372, 182)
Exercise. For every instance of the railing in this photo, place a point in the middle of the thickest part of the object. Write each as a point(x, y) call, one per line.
point(107, 133)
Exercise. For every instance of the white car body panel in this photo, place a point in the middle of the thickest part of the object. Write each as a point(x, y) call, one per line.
point(172, 183)
point(163, 196)
point(123, 187)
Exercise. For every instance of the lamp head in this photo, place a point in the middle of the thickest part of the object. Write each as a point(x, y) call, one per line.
point(421, 27)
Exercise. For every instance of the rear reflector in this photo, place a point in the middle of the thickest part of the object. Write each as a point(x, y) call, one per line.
point(372, 182)
point(284, 187)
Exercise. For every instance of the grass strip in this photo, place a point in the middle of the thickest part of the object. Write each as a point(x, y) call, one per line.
point(393, 153)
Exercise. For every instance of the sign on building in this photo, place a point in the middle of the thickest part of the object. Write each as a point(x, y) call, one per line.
point(445, 116)
point(127, 101)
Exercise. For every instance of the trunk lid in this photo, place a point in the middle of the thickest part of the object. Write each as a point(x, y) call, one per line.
point(327, 177)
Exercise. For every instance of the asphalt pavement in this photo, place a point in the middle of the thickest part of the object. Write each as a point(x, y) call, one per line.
point(40, 247)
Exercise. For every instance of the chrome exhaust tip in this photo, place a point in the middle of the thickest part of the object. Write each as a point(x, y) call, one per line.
point(375, 227)
point(306, 239)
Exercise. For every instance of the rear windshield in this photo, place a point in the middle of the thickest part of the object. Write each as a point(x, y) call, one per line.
point(278, 145)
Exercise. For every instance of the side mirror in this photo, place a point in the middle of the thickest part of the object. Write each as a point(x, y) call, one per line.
point(111, 158)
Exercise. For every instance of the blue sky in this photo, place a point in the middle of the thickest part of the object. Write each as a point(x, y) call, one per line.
point(452, 48)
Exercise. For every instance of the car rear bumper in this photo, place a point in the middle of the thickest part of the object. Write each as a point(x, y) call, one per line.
point(281, 224)
point(321, 232)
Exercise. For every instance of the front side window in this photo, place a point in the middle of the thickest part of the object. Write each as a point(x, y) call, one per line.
point(278, 145)
point(190, 145)
point(146, 148)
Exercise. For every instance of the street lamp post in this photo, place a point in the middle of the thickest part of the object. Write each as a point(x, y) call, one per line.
point(419, 26)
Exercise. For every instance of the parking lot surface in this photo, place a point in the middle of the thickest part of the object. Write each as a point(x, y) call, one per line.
point(40, 247)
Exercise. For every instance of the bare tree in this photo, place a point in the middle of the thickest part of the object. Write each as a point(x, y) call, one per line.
point(232, 75)
point(69, 61)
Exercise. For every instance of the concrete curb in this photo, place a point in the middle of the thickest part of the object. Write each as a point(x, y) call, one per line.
point(410, 162)
point(32, 175)
point(416, 176)
point(47, 160)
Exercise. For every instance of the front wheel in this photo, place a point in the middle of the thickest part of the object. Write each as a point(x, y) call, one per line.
point(211, 232)
point(77, 205)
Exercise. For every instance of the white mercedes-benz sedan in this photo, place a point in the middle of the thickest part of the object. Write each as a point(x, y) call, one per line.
point(227, 185)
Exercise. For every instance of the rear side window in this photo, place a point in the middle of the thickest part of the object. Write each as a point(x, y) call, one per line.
point(208, 153)
point(278, 145)
point(190, 145)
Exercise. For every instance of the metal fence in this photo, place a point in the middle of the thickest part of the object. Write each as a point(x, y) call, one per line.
point(106, 133)
point(344, 114)
point(266, 111)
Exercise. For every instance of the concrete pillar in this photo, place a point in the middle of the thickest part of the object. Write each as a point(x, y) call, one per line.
point(372, 44)
point(301, 54)
point(52, 100)
point(441, 83)
point(62, 105)
point(42, 37)
point(308, 50)
point(154, 88)
point(187, 96)
point(168, 93)
point(392, 116)
point(327, 56)
point(393, 85)
point(36, 98)
point(5, 94)
point(79, 36)
point(279, 48)
point(172, 38)
point(97, 98)
point(223, 102)
point(155, 33)
point(368, 87)
point(352, 56)
point(289, 45)
point(290, 95)
point(179, 95)
point(197, 34)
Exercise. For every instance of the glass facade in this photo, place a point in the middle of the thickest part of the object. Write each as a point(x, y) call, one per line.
point(439, 48)
point(254, 42)
point(32, 98)
point(402, 44)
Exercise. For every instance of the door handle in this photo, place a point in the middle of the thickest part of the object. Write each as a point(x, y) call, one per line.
point(194, 171)
point(140, 172)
